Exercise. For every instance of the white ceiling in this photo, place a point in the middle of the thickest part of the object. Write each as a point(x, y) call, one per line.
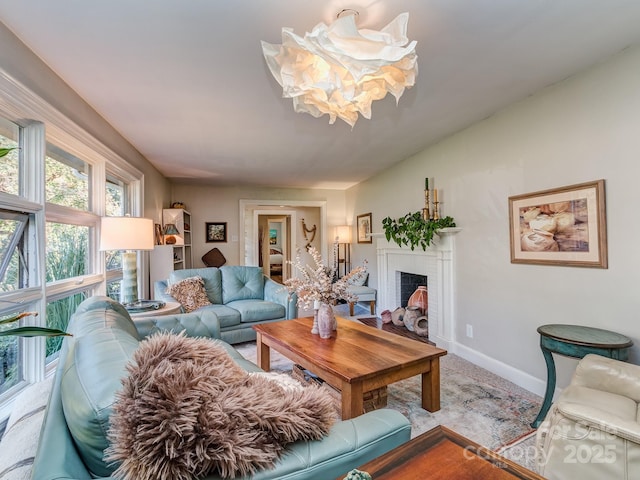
point(185, 81)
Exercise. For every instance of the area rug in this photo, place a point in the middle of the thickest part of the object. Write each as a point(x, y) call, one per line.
point(474, 402)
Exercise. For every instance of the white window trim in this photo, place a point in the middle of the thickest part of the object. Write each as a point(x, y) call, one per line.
point(16, 104)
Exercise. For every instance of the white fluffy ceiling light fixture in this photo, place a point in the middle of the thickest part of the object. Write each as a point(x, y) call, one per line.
point(338, 70)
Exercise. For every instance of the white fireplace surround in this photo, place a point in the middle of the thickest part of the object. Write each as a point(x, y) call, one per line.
point(436, 263)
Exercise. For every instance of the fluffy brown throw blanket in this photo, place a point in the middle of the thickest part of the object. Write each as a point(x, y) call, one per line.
point(187, 409)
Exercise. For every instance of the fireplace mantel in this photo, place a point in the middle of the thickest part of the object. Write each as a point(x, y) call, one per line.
point(436, 262)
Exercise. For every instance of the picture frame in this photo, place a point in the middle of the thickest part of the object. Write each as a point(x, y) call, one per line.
point(364, 230)
point(561, 226)
point(273, 236)
point(216, 232)
point(157, 233)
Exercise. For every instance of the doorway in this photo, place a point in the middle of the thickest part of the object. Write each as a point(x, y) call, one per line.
point(293, 212)
point(274, 245)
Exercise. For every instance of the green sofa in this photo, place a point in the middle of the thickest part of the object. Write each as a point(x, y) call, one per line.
point(240, 297)
point(89, 371)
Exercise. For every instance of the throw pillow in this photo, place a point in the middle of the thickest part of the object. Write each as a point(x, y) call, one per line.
point(359, 280)
point(187, 410)
point(190, 293)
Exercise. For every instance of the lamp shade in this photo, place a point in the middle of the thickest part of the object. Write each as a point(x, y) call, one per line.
point(343, 234)
point(126, 233)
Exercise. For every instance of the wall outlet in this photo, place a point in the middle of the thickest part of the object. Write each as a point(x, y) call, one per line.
point(469, 331)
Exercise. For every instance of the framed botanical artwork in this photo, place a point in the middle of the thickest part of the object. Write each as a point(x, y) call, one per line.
point(364, 228)
point(216, 231)
point(561, 226)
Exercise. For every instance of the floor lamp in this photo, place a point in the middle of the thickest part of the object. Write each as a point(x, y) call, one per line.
point(128, 234)
point(343, 237)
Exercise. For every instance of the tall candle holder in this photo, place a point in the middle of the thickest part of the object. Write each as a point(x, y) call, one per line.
point(436, 214)
point(426, 211)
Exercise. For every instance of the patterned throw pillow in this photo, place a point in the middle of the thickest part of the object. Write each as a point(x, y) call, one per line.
point(190, 293)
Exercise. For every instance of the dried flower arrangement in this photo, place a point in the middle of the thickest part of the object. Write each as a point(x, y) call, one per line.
point(315, 283)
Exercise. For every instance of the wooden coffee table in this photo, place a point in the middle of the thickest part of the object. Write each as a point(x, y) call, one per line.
point(356, 359)
point(442, 454)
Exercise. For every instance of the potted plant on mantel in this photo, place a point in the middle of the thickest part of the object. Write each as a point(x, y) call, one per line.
point(27, 331)
point(414, 230)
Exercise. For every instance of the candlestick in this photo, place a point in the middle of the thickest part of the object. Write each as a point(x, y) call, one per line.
point(426, 211)
point(436, 213)
point(435, 195)
point(426, 183)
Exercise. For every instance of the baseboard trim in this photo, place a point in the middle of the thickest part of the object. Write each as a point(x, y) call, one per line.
point(514, 375)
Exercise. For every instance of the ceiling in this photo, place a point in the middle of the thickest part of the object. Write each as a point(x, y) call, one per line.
point(185, 81)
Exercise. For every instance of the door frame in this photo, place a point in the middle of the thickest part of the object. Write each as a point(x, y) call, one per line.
point(249, 211)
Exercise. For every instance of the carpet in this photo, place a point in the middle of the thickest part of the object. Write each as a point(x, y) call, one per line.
point(474, 402)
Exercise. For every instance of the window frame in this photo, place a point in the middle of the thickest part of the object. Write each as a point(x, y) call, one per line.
point(46, 124)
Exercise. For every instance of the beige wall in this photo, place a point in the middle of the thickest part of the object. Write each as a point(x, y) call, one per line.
point(216, 204)
point(582, 129)
point(22, 65)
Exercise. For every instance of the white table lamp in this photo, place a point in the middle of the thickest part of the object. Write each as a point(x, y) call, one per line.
point(128, 234)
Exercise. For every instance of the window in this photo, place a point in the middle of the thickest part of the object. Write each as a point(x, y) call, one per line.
point(54, 187)
point(13, 271)
point(67, 251)
point(9, 164)
point(10, 374)
point(68, 179)
point(58, 314)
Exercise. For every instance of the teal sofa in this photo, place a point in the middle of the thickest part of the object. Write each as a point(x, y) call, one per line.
point(240, 297)
point(89, 371)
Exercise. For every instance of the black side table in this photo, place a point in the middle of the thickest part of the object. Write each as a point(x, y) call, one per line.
point(576, 341)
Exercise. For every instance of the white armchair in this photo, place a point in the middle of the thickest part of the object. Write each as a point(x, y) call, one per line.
point(592, 430)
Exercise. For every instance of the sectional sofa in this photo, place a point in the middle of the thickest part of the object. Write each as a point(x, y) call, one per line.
point(91, 366)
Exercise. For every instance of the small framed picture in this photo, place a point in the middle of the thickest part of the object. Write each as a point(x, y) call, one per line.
point(364, 228)
point(216, 232)
point(157, 231)
point(562, 226)
point(273, 236)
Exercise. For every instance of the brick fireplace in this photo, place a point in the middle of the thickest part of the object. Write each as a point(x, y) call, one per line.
point(436, 264)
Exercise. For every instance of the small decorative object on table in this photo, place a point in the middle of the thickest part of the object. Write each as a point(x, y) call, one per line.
point(386, 316)
point(356, 474)
point(326, 320)
point(177, 205)
point(316, 307)
point(143, 306)
point(315, 287)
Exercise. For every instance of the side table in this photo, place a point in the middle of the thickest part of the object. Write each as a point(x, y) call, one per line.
point(170, 308)
point(575, 341)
